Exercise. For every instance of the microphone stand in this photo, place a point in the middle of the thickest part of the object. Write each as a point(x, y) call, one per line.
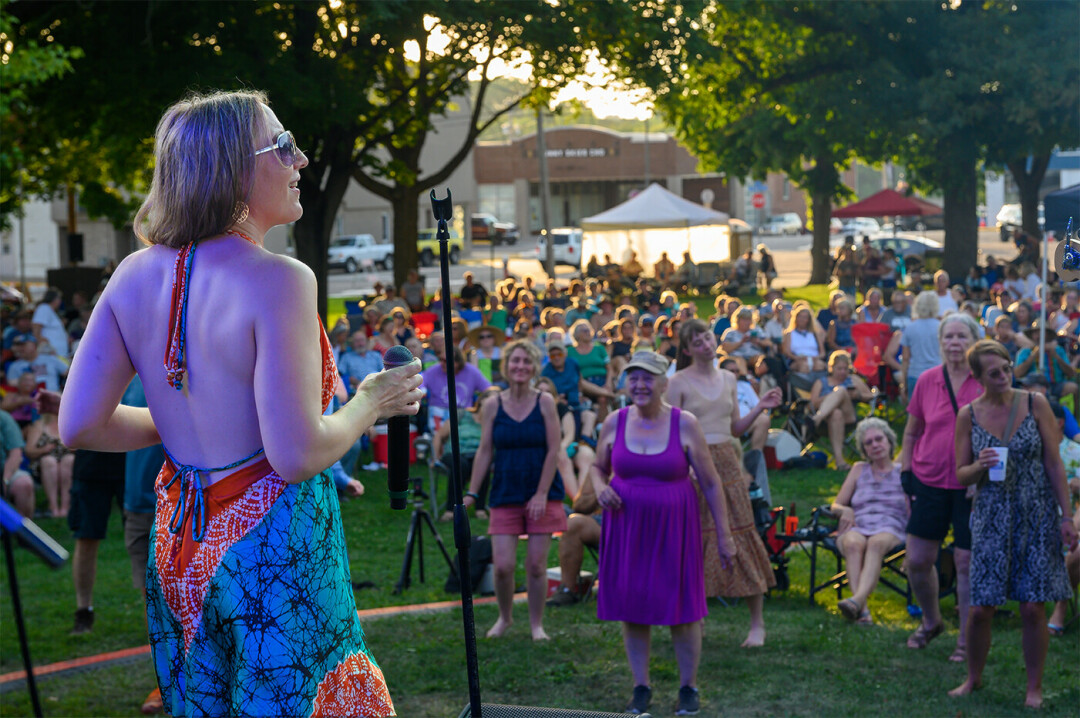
point(443, 209)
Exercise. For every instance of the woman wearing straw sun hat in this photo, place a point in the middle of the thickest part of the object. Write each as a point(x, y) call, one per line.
point(486, 356)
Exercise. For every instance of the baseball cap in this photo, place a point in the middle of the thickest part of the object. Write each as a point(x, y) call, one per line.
point(650, 361)
point(646, 319)
point(555, 340)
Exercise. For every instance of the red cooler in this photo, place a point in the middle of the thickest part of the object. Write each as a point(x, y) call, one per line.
point(378, 446)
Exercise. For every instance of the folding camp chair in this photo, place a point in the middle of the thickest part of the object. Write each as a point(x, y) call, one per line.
point(822, 536)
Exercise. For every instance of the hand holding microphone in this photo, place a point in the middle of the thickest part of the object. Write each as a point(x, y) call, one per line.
point(397, 425)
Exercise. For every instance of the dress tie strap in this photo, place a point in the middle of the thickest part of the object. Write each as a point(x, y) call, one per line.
point(191, 482)
point(174, 350)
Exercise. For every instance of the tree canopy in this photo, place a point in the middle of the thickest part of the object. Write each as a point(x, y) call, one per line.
point(359, 83)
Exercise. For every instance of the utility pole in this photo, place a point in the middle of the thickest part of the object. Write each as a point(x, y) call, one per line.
point(545, 195)
point(646, 152)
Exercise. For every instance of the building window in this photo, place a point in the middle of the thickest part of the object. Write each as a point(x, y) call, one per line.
point(496, 199)
point(787, 189)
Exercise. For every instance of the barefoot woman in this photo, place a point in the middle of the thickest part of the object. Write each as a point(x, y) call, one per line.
point(1020, 521)
point(249, 603)
point(709, 393)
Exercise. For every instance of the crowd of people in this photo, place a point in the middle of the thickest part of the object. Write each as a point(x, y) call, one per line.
point(606, 411)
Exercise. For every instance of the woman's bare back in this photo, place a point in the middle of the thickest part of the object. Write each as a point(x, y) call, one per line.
point(214, 420)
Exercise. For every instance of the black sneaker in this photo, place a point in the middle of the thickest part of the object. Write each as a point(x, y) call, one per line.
point(640, 702)
point(563, 597)
point(84, 621)
point(689, 704)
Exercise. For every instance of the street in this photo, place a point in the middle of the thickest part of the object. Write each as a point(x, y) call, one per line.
point(486, 263)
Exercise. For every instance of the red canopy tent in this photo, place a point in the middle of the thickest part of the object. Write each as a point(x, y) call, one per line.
point(888, 203)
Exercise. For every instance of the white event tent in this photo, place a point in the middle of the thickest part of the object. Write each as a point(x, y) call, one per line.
point(654, 221)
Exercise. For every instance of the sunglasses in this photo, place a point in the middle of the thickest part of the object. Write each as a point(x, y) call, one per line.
point(1000, 373)
point(285, 145)
point(487, 336)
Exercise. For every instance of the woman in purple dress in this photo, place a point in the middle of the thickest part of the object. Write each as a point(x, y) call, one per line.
point(651, 567)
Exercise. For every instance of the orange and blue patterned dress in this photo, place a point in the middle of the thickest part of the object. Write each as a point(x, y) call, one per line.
point(249, 600)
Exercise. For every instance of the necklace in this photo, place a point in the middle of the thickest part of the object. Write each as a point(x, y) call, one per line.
point(240, 234)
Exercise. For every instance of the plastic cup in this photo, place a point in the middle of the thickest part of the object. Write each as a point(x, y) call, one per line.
point(997, 472)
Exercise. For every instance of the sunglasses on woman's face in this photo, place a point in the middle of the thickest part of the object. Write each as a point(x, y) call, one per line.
point(286, 149)
point(487, 336)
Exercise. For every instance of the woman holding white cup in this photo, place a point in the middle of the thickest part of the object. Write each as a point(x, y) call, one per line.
point(1021, 516)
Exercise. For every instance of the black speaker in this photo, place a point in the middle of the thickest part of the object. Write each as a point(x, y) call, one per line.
point(75, 247)
point(500, 711)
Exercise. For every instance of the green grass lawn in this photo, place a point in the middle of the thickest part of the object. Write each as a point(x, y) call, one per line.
point(814, 662)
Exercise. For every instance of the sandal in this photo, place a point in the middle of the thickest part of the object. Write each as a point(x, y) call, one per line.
point(923, 635)
point(849, 608)
point(865, 619)
point(959, 655)
point(1055, 630)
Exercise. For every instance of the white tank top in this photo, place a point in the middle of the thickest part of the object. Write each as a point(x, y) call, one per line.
point(804, 344)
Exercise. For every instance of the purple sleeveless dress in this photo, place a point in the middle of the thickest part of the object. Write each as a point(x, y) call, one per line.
point(651, 569)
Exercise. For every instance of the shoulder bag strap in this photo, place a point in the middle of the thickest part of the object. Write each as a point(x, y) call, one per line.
point(948, 385)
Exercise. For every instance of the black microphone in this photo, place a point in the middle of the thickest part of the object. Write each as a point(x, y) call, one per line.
point(397, 438)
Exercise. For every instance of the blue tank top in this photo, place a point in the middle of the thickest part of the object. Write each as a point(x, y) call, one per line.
point(520, 449)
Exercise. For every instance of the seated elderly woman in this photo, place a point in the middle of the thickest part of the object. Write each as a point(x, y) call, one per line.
point(833, 399)
point(873, 511)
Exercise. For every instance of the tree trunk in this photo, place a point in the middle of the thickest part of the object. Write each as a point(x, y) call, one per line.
point(821, 203)
point(961, 223)
point(406, 214)
point(1028, 182)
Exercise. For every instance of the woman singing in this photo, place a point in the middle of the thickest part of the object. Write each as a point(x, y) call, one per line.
point(249, 602)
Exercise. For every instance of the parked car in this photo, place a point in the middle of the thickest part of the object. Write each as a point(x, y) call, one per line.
point(931, 253)
point(786, 223)
point(858, 226)
point(354, 252)
point(921, 223)
point(1009, 217)
point(567, 246)
point(485, 228)
point(428, 247)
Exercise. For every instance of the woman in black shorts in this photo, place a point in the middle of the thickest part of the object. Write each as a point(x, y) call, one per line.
point(928, 471)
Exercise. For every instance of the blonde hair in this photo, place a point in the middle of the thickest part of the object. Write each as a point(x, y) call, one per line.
point(204, 167)
point(839, 355)
point(529, 348)
point(796, 308)
point(926, 305)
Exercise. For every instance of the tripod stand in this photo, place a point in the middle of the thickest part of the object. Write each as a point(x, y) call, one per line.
point(415, 538)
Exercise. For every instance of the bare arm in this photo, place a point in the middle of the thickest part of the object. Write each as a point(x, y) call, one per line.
point(861, 388)
point(969, 469)
point(891, 350)
point(437, 441)
point(299, 441)
point(600, 473)
point(841, 505)
point(537, 505)
point(33, 434)
point(1055, 469)
point(91, 416)
point(11, 464)
point(912, 431)
point(697, 452)
point(482, 458)
point(815, 393)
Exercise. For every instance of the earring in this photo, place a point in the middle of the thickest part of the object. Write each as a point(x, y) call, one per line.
point(240, 213)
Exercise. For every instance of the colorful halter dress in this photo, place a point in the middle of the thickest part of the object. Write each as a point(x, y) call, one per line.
point(249, 600)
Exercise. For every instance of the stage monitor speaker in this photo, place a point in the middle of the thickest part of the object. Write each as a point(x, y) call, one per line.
point(75, 248)
point(500, 711)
